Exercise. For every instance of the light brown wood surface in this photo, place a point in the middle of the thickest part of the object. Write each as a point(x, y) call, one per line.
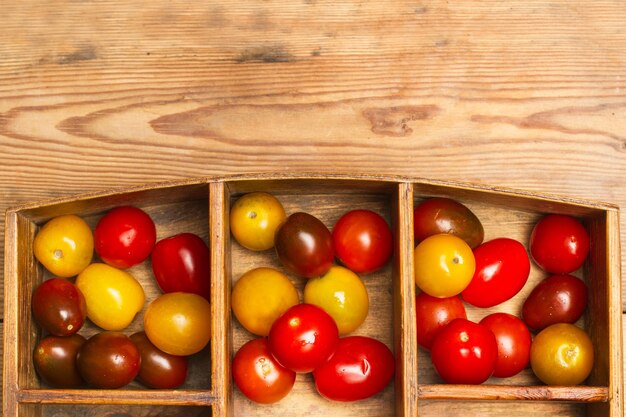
point(529, 95)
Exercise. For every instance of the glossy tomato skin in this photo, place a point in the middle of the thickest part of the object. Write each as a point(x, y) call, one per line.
point(113, 296)
point(562, 354)
point(108, 360)
point(444, 265)
point(182, 263)
point(64, 245)
point(124, 236)
point(359, 368)
point(502, 269)
point(556, 299)
point(54, 358)
point(362, 241)
point(444, 215)
point(178, 323)
point(559, 244)
point(303, 338)
point(464, 352)
point(513, 340)
point(258, 375)
point(304, 245)
point(260, 296)
point(254, 219)
point(433, 314)
point(59, 307)
point(159, 369)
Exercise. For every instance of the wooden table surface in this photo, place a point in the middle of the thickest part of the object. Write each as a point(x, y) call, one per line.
point(522, 94)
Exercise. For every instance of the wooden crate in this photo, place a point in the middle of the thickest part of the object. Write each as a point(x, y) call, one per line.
point(202, 206)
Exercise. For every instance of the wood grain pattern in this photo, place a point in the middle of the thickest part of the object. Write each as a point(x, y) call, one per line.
point(530, 95)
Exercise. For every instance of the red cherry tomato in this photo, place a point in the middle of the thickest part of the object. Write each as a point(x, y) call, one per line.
point(502, 269)
point(359, 368)
point(124, 236)
point(433, 314)
point(464, 352)
point(159, 369)
point(513, 340)
point(362, 240)
point(556, 299)
point(258, 375)
point(59, 307)
point(182, 263)
point(559, 244)
point(304, 245)
point(303, 338)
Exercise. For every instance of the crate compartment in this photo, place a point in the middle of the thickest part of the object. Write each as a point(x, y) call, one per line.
point(328, 201)
point(66, 410)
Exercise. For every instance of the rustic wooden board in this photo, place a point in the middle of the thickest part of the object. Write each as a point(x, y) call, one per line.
point(96, 95)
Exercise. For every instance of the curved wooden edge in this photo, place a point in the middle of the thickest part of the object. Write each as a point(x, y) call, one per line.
point(136, 397)
point(199, 181)
point(513, 393)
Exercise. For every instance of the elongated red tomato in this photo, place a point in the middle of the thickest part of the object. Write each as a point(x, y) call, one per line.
point(182, 263)
point(502, 269)
point(359, 368)
point(513, 340)
point(362, 240)
point(303, 338)
point(258, 375)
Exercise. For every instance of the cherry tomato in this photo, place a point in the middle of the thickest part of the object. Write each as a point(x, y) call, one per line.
point(562, 354)
point(304, 245)
point(260, 296)
point(258, 375)
point(108, 360)
point(124, 236)
point(443, 215)
point(359, 368)
point(254, 219)
point(342, 294)
point(55, 360)
point(362, 241)
point(433, 314)
point(59, 307)
point(303, 338)
point(64, 245)
point(444, 265)
point(159, 369)
point(513, 340)
point(556, 299)
point(179, 323)
point(559, 244)
point(502, 269)
point(182, 263)
point(464, 352)
point(113, 296)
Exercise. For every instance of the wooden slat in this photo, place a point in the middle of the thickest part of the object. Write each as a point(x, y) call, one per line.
point(512, 393)
point(135, 397)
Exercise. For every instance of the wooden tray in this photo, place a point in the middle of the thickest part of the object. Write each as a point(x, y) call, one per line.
point(202, 206)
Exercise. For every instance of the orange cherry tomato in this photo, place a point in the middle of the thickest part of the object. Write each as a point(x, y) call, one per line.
point(254, 218)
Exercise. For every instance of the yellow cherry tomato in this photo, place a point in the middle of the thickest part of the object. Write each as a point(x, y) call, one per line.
point(254, 219)
point(562, 354)
point(342, 294)
point(444, 265)
point(260, 296)
point(179, 323)
point(64, 245)
point(113, 296)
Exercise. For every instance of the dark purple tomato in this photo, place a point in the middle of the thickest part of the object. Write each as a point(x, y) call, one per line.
point(444, 215)
point(159, 369)
point(556, 299)
point(55, 360)
point(502, 269)
point(304, 245)
point(182, 263)
point(108, 360)
point(59, 307)
point(359, 368)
